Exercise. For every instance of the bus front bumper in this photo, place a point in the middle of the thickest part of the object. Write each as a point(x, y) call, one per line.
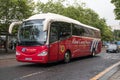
point(32, 59)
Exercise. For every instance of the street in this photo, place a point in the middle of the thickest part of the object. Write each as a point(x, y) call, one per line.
point(83, 36)
point(82, 68)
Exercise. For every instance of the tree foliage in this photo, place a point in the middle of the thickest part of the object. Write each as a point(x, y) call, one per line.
point(117, 8)
point(117, 35)
point(77, 12)
point(12, 10)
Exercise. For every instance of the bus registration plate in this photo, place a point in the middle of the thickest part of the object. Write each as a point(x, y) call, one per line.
point(29, 59)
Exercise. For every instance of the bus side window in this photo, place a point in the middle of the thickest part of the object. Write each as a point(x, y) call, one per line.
point(65, 30)
point(77, 30)
point(87, 33)
point(53, 32)
point(91, 33)
point(82, 31)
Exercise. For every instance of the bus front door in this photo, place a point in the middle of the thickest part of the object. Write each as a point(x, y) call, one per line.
point(54, 43)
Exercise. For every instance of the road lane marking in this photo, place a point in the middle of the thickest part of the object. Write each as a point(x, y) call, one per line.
point(32, 74)
point(98, 76)
point(29, 75)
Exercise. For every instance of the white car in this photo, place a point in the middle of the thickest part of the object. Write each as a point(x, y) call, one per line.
point(112, 48)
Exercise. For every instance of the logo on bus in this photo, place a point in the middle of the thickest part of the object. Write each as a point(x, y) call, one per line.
point(62, 48)
point(74, 41)
point(23, 49)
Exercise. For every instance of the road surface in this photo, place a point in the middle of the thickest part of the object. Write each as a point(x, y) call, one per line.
point(78, 69)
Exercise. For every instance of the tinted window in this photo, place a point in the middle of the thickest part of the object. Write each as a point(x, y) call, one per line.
point(97, 34)
point(54, 32)
point(60, 30)
point(78, 30)
point(65, 30)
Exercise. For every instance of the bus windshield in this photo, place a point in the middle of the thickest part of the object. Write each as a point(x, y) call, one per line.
point(31, 33)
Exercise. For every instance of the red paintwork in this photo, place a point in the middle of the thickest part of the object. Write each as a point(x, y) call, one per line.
point(78, 46)
point(32, 52)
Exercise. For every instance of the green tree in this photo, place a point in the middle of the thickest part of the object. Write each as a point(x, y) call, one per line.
point(50, 6)
point(117, 8)
point(77, 12)
point(14, 10)
point(117, 35)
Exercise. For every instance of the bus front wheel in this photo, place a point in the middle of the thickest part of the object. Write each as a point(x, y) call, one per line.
point(67, 57)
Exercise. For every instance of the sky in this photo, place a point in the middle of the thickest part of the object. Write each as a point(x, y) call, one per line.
point(103, 8)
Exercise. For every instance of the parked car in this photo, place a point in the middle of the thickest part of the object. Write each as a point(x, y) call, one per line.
point(112, 48)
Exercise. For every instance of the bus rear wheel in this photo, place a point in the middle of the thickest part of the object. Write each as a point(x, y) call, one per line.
point(67, 57)
point(93, 53)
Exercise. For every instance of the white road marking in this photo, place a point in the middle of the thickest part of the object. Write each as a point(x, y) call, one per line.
point(29, 75)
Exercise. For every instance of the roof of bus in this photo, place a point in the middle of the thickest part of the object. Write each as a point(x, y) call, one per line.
point(57, 17)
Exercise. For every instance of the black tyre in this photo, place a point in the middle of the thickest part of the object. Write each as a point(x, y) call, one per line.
point(107, 51)
point(93, 53)
point(67, 57)
point(116, 51)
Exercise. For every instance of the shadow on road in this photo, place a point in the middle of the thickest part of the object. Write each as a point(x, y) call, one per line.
point(38, 65)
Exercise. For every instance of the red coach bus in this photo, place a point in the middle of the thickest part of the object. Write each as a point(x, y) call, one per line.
point(49, 37)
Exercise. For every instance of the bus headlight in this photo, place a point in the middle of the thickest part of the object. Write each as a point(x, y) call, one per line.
point(44, 53)
point(17, 53)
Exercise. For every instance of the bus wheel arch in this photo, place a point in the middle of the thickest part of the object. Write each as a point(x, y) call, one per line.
point(67, 56)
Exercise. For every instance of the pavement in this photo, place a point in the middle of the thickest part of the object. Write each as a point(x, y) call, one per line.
point(5, 56)
point(110, 73)
point(115, 76)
